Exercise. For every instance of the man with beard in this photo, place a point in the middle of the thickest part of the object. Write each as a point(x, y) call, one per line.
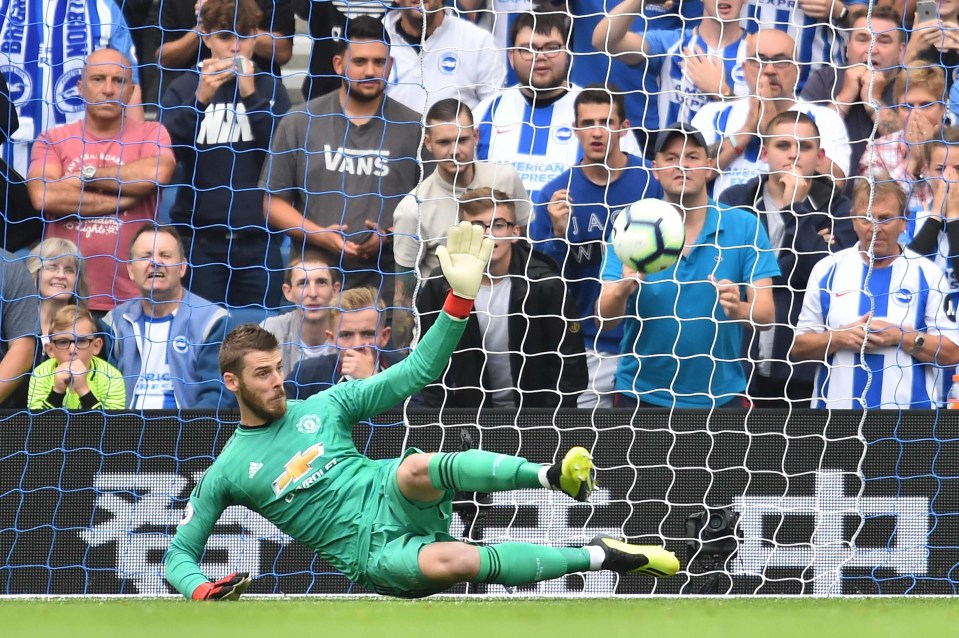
point(383, 523)
point(437, 55)
point(339, 167)
point(530, 125)
point(166, 341)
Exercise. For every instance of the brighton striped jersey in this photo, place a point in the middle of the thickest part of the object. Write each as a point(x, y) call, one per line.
point(679, 99)
point(539, 142)
point(912, 293)
point(719, 120)
point(817, 41)
point(43, 45)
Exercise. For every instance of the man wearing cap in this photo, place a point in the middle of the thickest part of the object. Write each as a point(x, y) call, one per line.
point(683, 325)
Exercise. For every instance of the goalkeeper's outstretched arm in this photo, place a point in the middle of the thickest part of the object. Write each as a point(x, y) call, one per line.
point(182, 561)
point(464, 262)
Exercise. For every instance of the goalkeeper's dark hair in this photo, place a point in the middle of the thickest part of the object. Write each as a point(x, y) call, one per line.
point(791, 118)
point(448, 110)
point(477, 201)
point(541, 23)
point(242, 340)
point(606, 94)
point(313, 255)
point(234, 16)
point(152, 227)
point(361, 29)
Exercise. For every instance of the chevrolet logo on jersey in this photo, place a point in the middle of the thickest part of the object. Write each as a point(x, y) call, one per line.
point(297, 467)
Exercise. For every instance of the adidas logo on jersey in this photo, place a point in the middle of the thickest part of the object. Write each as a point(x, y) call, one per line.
point(254, 468)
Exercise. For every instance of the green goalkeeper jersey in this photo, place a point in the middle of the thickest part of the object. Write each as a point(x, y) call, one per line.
point(303, 473)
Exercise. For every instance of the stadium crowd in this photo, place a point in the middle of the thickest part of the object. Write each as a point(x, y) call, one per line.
point(807, 144)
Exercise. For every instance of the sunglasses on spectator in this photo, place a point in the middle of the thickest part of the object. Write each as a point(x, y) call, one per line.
point(765, 60)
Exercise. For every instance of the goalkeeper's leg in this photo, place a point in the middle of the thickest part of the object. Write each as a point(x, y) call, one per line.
point(524, 563)
point(424, 477)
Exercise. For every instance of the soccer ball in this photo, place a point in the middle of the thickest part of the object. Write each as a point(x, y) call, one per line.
point(648, 236)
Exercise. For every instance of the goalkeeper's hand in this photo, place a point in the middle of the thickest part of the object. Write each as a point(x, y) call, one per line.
point(464, 258)
point(227, 588)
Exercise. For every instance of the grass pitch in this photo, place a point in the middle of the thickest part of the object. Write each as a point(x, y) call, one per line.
point(478, 618)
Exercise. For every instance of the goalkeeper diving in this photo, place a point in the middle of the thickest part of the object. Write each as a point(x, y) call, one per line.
point(384, 524)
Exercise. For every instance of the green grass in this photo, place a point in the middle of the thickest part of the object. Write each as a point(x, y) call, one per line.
point(469, 618)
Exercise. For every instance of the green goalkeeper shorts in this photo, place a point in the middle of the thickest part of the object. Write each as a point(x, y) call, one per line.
point(400, 530)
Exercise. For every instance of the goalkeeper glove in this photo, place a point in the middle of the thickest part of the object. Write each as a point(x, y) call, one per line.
point(227, 588)
point(464, 259)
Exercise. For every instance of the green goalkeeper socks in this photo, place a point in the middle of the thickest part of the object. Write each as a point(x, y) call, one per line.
point(479, 471)
point(523, 563)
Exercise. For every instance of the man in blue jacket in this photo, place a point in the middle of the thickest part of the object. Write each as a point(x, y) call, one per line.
point(166, 343)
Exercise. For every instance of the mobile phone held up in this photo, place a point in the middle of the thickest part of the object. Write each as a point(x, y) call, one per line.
point(926, 11)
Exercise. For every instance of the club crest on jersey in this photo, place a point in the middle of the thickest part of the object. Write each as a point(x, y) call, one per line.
point(67, 92)
point(180, 345)
point(903, 296)
point(19, 83)
point(308, 424)
point(448, 63)
point(563, 134)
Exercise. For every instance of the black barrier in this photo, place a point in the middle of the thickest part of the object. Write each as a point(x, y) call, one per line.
point(830, 503)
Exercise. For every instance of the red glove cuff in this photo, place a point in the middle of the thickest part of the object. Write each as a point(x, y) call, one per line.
point(457, 307)
point(201, 592)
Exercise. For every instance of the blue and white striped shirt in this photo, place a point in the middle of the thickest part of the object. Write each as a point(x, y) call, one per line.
point(679, 99)
point(911, 292)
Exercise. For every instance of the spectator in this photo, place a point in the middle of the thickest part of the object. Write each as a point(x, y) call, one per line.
point(166, 342)
point(361, 338)
point(339, 168)
point(522, 347)
point(682, 325)
point(142, 17)
point(936, 42)
point(936, 234)
point(873, 62)
point(639, 89)
point(326, 23)
point(736, 126)
point(423, 217)
point(221, 122)
point(96, 180)
point(310, 284)
point(437, 55)
point(18, 325)
point(815, 25)
point(43, 60)
point(883, 299)
point(806, 217)
point(183, 46)
point(75, 377)
point(529, 125)
point(60, 277)
point(695, 65)
point(898, 155)
point(572, 221)
point(20, 225)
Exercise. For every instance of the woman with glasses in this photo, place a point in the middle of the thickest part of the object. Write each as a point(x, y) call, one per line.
point(58, 272)
point(74, 377)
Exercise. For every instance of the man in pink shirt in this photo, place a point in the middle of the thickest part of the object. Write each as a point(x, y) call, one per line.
point(96, 180)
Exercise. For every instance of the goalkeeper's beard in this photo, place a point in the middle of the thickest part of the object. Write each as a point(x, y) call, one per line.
point(268, 410)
